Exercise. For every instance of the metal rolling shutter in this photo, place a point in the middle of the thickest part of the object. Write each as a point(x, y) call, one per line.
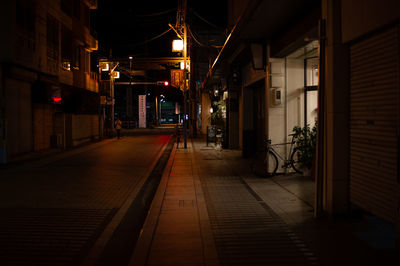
point(374, 85)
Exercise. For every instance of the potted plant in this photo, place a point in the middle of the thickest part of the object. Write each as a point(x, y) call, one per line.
point(217, 116)
point(305, 140)
point(217, 119)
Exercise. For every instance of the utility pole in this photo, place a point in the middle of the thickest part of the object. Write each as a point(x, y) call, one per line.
point(184, 85)
point(129, 111)
point(181, 26)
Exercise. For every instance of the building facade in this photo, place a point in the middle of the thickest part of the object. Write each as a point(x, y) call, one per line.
point(334, 62)
point(49, 93)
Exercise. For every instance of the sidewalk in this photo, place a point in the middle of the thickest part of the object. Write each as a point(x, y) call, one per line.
point(210, 209)
point(177, 230)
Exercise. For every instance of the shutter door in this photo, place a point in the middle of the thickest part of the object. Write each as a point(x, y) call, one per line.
point(42, 126)
point(374, 103)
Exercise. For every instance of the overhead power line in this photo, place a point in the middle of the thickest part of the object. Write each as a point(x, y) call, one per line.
point(206, 21)
point(158, 14)
point(199, 43)
point(152, 39)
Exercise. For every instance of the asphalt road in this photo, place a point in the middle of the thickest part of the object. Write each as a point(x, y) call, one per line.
point(63, 209)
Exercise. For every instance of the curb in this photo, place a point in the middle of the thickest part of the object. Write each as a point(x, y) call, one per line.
point(106, 235)
point(145, 239)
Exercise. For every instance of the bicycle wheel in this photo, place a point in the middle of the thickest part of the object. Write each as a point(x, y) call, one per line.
point(270, 164)
point(294, 161)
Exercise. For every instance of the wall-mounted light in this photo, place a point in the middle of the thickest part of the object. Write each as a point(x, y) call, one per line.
point(177, 45)
point(211, 110)
point(258, 56)
point(104, 66)
point(115, 74)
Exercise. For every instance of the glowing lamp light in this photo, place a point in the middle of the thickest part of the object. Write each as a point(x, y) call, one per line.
point(211, 110)
point(166, 83)
point(115, 74)
point(106, 67)
point(177, 45)
point(182, 65)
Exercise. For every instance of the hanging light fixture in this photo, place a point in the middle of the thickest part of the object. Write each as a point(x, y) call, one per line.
point(177, 45)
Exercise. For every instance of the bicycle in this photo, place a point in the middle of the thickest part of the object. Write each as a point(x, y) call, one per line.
point(270, 161)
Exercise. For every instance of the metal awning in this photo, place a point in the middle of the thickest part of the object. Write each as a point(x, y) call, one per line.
point(261, 21)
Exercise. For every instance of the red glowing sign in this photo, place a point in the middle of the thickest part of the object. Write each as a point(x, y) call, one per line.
point(56, 99)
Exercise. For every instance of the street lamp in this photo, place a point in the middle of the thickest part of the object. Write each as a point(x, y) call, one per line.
point(177, 45)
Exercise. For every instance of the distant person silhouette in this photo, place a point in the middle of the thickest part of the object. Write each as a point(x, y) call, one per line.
point(118, 126)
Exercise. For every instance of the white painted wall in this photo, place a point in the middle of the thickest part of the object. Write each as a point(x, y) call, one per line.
point(294, 93)
point(277, 113)
point(276, 121)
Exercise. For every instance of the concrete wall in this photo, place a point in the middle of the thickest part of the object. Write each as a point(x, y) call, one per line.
point(336, 128)
point(18, 117)
point(84, 128)
point(7, 14)
point(42, 126)
point(359, 17)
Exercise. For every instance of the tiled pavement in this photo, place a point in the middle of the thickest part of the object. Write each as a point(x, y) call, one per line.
point(210, 210)
point(246, 230)
point(206, 214)
point(56, 210)
point(176, 231)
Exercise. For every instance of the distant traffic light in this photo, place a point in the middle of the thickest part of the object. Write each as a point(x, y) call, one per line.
point(163, 83)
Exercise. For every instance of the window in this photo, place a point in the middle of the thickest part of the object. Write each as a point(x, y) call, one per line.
point(52, 37)
point(66, 48)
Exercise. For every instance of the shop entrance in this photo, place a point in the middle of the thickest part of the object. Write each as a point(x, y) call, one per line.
point(253, 118)
point(293, 94)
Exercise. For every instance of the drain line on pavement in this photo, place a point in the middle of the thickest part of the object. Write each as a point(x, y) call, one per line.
point(120, 245)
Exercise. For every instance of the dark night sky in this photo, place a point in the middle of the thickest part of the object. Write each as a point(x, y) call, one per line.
point(125, 25)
